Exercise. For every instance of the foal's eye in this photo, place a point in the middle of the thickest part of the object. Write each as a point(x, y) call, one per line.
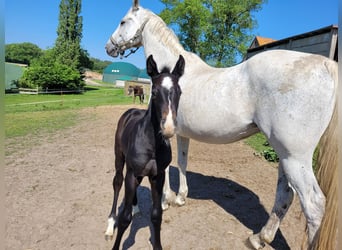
point(154, 93)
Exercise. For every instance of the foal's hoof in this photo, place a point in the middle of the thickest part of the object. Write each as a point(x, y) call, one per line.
point(256, 241)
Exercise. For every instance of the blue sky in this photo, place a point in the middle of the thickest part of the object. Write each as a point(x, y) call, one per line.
point(36, 21)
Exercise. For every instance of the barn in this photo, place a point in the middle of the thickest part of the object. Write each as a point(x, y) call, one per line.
point(12, 73)
point(119, 72)
point(322, 41)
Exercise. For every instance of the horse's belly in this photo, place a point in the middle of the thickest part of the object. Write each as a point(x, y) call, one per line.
point(215, 129)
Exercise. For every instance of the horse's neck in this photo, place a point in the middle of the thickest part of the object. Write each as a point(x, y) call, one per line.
point(163, 44)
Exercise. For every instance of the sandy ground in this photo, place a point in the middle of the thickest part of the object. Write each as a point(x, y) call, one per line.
point(59, 193)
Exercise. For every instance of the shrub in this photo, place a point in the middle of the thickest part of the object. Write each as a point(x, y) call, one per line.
point(56, 76)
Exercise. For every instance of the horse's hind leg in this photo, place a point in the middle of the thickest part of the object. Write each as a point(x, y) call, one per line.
point(117, 183)
point(302, 179)
point(125, 216)
point(300, 176)
point(283, 200)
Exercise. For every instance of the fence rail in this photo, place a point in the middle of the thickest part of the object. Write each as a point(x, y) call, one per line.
point(37, 91)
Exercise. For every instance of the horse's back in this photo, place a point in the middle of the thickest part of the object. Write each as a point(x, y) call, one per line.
point(126, 125)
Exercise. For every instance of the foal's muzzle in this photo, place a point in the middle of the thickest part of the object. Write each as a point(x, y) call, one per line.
point(168, 127)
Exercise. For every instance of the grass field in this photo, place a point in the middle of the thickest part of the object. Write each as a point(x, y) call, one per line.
point(31, 114)
point(36, 114)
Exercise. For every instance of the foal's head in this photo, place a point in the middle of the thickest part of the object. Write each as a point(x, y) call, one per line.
point(165, 94)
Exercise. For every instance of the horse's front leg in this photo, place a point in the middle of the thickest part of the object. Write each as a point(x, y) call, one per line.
point(157, 212)
point(182, 149)
point(168, 194)
point(125, 216)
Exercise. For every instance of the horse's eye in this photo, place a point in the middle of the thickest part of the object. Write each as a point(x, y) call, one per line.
point(122, 22)
point(154, 93)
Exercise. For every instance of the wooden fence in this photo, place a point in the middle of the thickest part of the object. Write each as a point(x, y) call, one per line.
point(37, 91)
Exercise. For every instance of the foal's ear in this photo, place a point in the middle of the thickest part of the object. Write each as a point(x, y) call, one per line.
point(151, 66)
point(135, 4)
point(179, 68)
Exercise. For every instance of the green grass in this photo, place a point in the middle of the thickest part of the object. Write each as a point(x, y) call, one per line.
point(36, 114)
point(92, 97)
point(260, 144)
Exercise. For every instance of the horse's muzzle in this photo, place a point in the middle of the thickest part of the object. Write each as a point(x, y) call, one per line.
point(111, 49)
point(168, 128)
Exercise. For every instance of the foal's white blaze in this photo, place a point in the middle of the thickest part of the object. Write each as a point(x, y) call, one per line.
point(169, 126)
point(167, 83)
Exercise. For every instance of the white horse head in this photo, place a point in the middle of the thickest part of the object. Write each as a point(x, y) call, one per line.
point(129, 32)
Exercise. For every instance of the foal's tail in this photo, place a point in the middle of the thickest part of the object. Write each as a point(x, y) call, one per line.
point(327, 176)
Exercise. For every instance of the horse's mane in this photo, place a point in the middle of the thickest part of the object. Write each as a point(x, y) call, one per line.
point(166, 35)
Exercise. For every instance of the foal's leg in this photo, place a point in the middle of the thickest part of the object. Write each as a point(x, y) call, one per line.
point(136, 209)
point(283, 201)
point(182, 148)
point(117, 183)
point(157, 212)
point(125, 216)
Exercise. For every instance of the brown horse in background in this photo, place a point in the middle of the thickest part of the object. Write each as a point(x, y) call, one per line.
point(137, 91)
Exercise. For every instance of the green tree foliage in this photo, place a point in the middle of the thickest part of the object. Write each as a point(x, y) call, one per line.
point(46, 73)
point(22, 52)
point(216, 30)
point(62, 66)
point(69, 33)
point(57, 77)
point(99, 65)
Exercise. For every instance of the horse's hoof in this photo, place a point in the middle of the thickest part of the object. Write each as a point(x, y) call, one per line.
point(256, 242)
point(165, 206)
point(180, 201)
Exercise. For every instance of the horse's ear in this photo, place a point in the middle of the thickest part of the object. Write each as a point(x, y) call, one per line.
point(179, 68)
point(135, 4)
point(151, 66)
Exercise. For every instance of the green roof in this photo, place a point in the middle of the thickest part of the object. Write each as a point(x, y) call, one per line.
point(143, 74)
point(122, 69)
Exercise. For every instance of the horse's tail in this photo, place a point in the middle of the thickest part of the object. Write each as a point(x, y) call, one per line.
point(327, 176)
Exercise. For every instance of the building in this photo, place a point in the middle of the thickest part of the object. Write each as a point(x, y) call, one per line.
point(120, 72)
point(322, 41)
point(13, 72)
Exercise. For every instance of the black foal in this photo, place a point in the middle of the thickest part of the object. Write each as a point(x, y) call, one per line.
point(142, 141)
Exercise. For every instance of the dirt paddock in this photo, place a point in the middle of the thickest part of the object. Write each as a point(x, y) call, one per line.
point(59, 193)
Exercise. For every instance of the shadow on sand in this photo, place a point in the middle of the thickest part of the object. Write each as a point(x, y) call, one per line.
point(235, 199)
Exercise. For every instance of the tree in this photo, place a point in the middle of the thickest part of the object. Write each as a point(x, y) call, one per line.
point(46, 73)
point(216, 30)
point(69, 34)
point(22, 52)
